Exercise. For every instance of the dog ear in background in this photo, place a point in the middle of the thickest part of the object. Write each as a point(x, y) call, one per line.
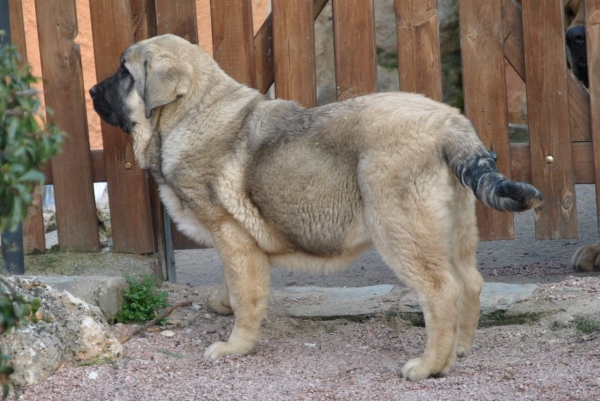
point(167, 79)
point(575, 39)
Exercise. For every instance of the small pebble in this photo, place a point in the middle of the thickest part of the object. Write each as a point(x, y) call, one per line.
point(167, 333)
point(312, 345)
point(93, 375)
point(196, 307)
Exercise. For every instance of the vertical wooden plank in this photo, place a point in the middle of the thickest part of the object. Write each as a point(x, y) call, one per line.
point(548, 110)
point(579, 97)
point(263, 49)
point(485, 97)
point(72, 169)
point(354, 44)
point(419, 47)
point(17, 27)
point(178, 20)
point(127, 183)
point(592, 34)
point(177, 17)
point(33, 226)
point(294, 51)
point(143, 14)
point(233, 39)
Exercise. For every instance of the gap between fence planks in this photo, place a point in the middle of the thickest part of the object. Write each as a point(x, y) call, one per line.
point(63, 90)
point(548, 114)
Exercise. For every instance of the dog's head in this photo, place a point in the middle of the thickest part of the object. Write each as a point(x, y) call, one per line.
point(575, 38)
point(152, 73)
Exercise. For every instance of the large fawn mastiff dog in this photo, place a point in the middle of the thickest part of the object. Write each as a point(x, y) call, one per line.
point(273, 183)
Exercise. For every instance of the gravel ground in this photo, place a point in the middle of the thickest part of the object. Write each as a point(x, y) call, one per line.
point(339, 360)
point(343, 360)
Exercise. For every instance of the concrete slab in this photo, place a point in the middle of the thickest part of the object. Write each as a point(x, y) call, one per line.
point(330, 303)
point(103, 291)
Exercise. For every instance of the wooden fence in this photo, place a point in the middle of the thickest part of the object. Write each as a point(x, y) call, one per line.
point(564, 123)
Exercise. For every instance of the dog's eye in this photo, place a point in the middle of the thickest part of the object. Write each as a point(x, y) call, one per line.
point(570, 13)
point(124, 71)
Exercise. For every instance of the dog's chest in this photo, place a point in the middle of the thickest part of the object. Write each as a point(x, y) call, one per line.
point(187, 222)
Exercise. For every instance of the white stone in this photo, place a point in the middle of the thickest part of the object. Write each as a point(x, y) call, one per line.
point(72, 333)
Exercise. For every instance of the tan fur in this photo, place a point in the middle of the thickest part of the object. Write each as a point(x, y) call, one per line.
point(574, 13)
point(273, 183)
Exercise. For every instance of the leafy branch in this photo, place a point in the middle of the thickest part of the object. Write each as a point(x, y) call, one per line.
point(27, 141)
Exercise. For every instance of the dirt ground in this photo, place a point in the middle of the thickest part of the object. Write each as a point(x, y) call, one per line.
point(549, 359)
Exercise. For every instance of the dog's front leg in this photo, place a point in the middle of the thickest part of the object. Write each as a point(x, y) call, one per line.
point(246, 270)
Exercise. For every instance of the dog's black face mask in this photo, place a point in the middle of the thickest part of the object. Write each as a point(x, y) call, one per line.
point(109, 99)
point(576, 45)
point(575, 39)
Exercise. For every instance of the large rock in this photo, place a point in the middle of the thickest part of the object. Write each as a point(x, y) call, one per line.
point(65, 330)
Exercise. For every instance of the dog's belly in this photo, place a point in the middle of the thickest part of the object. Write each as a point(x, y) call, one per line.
point(311, 198)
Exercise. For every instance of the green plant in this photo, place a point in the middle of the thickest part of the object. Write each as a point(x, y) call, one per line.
point(27, 141)
point(12, 312)
point(585, 325)
point(141, 300)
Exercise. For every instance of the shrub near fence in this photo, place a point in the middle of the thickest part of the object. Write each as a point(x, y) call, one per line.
point(563, 116)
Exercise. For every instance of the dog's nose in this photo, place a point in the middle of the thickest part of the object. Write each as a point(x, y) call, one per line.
point(93, 91)
point(576, 35)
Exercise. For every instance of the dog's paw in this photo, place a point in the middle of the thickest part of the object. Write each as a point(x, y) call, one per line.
point(415, 370)
point(585, 258)
point(220, 349)
point(215, 304)
point(461, 351)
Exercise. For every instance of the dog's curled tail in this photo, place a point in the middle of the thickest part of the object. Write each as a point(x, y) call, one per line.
point(476, 169)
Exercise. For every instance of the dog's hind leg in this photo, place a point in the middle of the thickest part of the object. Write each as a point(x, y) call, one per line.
point(464, 250)
point(410, 229)
point(246, 269)
point(219, 302)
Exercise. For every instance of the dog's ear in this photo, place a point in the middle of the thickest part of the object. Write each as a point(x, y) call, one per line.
point(167, 79)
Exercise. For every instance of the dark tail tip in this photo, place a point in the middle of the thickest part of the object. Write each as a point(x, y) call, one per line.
point(518, 196)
